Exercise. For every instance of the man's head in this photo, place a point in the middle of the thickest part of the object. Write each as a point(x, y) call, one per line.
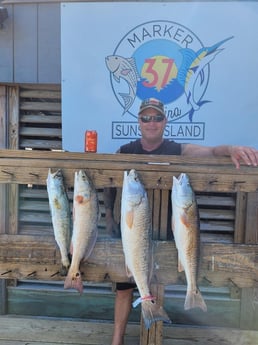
point(152, 103)
point(152, 120)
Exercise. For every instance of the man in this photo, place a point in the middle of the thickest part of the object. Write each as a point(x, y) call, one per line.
point(152, 121)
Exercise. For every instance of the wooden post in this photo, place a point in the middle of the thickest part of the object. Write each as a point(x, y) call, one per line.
point(3, 140)
point(251, 233)
point(249, 296)
point(239, 234)
point(13, 135)
point(153, 336)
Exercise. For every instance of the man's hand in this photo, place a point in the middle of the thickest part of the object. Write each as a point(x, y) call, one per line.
point(246, 154)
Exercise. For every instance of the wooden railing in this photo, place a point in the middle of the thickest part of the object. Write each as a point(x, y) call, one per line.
point(224, 262)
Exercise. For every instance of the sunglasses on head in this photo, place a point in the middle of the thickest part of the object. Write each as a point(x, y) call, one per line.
point(154, 118)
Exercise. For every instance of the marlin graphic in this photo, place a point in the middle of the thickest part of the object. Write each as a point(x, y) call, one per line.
point(192, 67)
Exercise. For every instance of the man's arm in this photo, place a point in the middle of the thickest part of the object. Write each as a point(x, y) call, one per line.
point(248, 155)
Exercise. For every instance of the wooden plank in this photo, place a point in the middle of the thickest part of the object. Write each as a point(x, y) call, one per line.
point(240, 221)
point(3, 145)
point(46, 144)
point(13, 117)
point(13, 200)
point(13, 135)
point(107, 170)
point(3, 188)
point(40, 106)
point(217, 226)
point(217, 214)
point(3, 116)
point(21, 331)
point(31, 92)
point(164, 226)
point(251, 233)
point(221, 201)
point(42, 119)
point(221, 264)
point(41, 132)
point(156, 214)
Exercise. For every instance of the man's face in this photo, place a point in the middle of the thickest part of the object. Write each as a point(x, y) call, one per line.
point(152, 131)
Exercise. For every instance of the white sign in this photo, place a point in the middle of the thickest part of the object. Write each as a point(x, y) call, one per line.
point(198, 58)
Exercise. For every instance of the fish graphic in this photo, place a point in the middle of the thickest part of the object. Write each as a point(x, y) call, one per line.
point(137, 245)
point(186, 230)
point(193, 67)
point(124, 68)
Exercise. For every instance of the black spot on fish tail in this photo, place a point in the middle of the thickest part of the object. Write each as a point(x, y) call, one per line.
point(74, 282)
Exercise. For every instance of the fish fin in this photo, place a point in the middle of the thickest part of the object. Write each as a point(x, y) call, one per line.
point(128, 272)
point(91, 245)
point(172, 224)
point(127, 98)
point(74, 281)
point(117, 79)
point(194, 299)
point(184, 219)
point(129, 219)
point(180, 266)
point(151, 312)
point(71, 248)
point(125, 71)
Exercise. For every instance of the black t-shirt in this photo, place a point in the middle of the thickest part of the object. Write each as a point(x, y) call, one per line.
point(168, 147)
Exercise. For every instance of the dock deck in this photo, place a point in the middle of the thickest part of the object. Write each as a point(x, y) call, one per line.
point(48, 331)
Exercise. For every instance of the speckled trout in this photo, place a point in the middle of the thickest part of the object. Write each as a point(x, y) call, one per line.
point(137, 245)
point(85, 227)
point(186, 230)
point(61, 215)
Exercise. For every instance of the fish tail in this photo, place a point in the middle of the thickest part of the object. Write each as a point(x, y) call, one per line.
point(194, 299)
point(151, 312)
point(74, 281)
point(128, 100)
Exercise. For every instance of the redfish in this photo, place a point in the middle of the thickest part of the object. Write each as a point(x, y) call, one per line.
point(85, 227)
point(137, 245)
point(60, 214)
point(186, 230)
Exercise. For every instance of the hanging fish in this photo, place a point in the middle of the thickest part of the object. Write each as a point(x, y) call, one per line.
point(137, 245)
point(60, 214)
point(186, 230)
point(85, 227)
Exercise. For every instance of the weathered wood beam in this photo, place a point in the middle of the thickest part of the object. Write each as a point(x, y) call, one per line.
point(220, 265)
point(207, 174)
